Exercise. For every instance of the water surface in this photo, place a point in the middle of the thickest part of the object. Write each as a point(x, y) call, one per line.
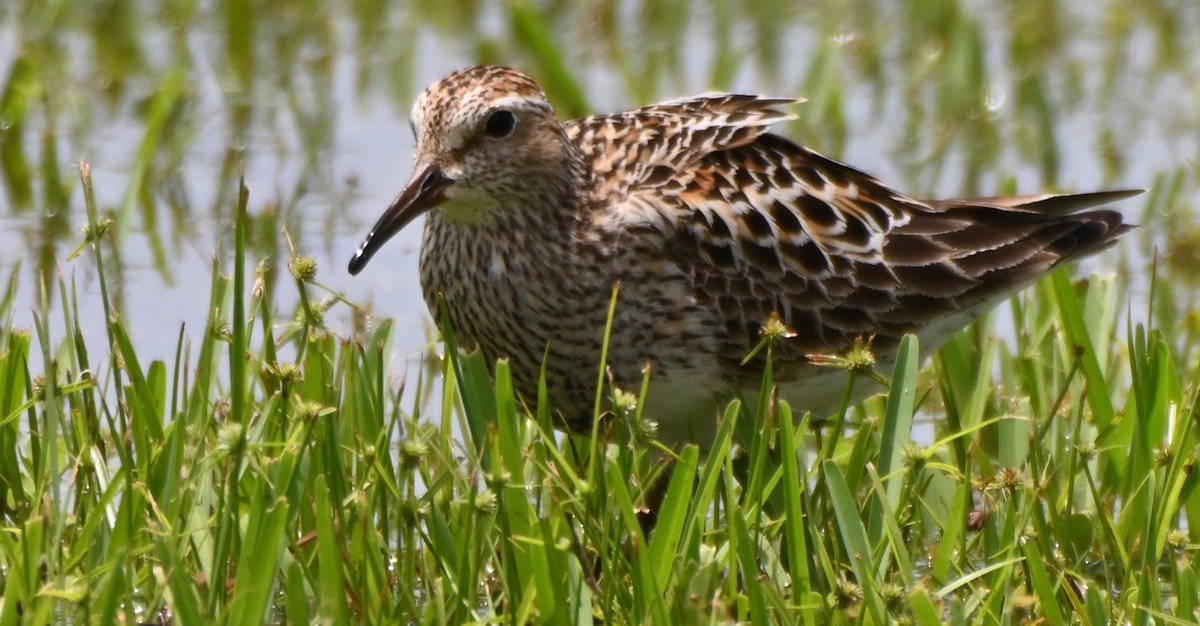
point(170, 102)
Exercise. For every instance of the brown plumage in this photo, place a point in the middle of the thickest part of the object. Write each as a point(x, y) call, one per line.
point(711, 225)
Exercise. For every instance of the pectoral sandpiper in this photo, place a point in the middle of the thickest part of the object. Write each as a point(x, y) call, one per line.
point(711, 225)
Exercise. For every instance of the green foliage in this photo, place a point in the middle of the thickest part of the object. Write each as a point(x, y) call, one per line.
point(275, 470)
point(280, 478)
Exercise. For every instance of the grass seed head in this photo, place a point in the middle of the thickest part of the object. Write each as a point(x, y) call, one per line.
point(92, 232)
point(303, 268)
point(484, 502)
point(915, 457)
point(1162, 456)
point(412, 452)
point(846, 595)
point(775, 331)
point(229, 437)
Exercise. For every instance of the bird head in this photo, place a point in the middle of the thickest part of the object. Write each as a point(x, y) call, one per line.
point(486, 140)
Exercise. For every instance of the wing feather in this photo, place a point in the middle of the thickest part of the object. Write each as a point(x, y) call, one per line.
point(772, 228)
point(648, 146)
point(767, 227)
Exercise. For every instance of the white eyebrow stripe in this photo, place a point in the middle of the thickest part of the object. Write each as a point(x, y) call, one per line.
point(504, 101)
point(516, 101)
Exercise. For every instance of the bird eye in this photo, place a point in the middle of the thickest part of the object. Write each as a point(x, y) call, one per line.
point(500, 124)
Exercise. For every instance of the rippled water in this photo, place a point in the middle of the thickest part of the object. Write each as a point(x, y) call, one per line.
point(170, 101)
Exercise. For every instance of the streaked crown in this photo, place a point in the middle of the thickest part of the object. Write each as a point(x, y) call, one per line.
point(492, 133)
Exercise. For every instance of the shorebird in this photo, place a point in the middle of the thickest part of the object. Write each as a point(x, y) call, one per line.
point(711, 225)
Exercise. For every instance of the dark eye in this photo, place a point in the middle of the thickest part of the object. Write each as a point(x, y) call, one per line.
point(500, 124)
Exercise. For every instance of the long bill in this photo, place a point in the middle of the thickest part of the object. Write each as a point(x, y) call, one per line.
point(421, 194)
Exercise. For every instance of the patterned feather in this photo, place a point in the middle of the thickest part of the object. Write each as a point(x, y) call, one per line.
point(711, 225)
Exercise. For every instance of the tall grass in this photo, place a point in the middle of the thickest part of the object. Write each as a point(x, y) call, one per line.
point(275, 471)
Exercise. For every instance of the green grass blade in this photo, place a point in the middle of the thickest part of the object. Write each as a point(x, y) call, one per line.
point(1071, 314)
point(534, 34)
point(257, 563)
point(331, 594)
point(1042, 586)
point(854, 538)
point(748, 564)
point(794, 526)
point(671, 516)
point(897, 423)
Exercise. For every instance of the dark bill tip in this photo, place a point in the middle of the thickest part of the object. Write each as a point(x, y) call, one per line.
point(422, 193)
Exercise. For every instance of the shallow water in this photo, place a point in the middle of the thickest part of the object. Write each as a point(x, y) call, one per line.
point(169, 102)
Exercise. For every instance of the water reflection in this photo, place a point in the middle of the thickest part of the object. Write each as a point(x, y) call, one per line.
point(172, 101)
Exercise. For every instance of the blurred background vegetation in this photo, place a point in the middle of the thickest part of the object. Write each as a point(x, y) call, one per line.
point(172, 100)
point(249, 464)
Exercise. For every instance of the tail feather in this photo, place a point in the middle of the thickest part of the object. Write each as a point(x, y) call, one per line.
point(1046, 204)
